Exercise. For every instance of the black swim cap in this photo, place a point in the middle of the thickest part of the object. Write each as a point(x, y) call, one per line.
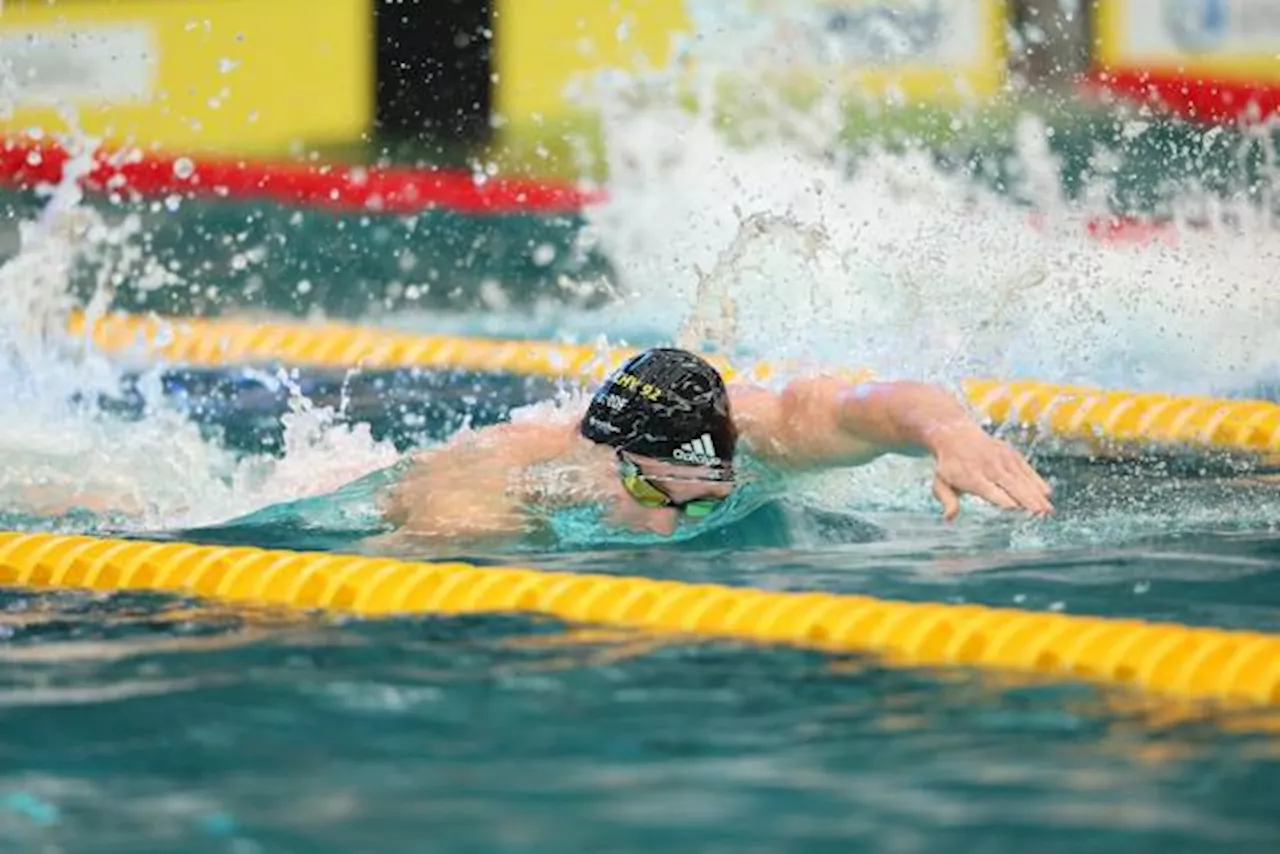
point(665, 403)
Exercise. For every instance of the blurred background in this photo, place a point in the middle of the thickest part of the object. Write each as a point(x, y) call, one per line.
point(1153, 95)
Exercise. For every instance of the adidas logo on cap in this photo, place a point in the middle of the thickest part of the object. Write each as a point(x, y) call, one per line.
point(699, 451)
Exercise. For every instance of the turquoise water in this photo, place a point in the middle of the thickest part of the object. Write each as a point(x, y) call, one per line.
point(149, 723)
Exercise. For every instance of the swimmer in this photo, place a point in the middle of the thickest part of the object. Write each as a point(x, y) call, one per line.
point(659, 442)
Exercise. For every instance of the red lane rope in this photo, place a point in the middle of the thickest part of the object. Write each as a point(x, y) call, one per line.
point(1191, 97)
point(27, 163)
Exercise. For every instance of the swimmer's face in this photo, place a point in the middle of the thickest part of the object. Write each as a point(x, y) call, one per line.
point(661, 492)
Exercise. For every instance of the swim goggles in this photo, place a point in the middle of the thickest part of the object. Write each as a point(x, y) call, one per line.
point(646, 491)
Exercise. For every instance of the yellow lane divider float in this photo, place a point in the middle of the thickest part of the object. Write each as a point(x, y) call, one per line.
point(1093, 415)
point(1191, 663)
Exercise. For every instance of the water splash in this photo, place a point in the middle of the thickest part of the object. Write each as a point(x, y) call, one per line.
point(790, 244)
point(62, 455)
point(774, 241)
point(913, 272)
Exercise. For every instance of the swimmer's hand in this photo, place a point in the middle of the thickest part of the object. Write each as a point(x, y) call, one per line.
point(968, 460)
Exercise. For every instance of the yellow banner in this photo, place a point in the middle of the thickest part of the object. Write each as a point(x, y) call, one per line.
point(543, 47)
point(913, 50)
point(1221, 39)
point(194, 75)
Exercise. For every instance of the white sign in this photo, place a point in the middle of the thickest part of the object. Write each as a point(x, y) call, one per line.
point(924, 32)
point(851, 33)
point(1163, 29)
point(108, 64)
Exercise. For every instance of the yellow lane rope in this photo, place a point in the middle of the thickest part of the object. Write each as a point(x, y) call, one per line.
point(1193, 663)
point(1093, 415)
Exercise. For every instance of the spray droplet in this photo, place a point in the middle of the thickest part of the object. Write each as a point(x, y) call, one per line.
point(184, 168)
point(544, 254)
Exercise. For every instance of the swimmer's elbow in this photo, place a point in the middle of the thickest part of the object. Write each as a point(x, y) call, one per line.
point(802, 428)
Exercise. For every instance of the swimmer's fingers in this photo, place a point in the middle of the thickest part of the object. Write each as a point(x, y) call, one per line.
point(1024, 465)
point(1022, 482)
point(993, 471)
point(1027, 495)
point(994, 492)
point(946, 497)
point(948, 494)
point(1009, 470)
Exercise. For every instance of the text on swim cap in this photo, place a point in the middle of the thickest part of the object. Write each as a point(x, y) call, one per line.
point(648, 391)
point(604, 426)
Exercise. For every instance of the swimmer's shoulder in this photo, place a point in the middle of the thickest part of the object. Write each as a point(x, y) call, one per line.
point(508, 443)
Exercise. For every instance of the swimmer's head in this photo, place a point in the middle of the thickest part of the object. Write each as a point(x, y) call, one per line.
point(667, 404)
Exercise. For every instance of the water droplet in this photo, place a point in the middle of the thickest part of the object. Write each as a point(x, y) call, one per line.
point(184, 168)
point(544, 254)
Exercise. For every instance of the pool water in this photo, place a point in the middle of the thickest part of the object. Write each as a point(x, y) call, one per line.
point(146, 723)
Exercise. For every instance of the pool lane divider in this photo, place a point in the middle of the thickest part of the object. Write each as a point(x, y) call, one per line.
point(1095, 416)
point(1169, 659)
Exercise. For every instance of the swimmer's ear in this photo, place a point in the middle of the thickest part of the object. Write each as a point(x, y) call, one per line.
point(948, 498)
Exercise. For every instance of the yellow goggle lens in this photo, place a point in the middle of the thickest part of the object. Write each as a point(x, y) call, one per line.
point(644, 492)
point(648, 495)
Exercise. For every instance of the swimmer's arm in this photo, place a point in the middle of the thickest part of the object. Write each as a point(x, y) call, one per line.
point(454, 498)
point(474, 489)
point(904, 417)
point(824, 422)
